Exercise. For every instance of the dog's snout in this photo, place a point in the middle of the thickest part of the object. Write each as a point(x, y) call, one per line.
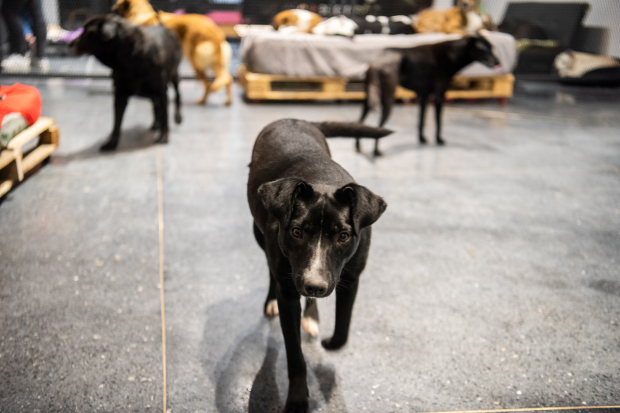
point(315, 288)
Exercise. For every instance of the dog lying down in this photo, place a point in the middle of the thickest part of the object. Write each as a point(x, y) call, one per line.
point(144, 60)
point(314, 224)
point(426, 69)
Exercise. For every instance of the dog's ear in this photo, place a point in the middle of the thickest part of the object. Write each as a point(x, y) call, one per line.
point(366, 206)
point(108, 30)
point(278, 196)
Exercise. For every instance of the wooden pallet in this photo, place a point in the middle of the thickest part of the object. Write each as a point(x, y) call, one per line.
point(15, 163)
point(258, 86)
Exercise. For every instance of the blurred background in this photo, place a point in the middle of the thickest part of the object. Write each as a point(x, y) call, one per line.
point(592, 27)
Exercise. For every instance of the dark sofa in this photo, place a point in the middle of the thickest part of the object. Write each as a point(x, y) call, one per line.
point(559, 22)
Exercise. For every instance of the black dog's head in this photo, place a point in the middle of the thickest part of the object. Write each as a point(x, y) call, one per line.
point(320, 228)
point(98, 34)
point(481, 50)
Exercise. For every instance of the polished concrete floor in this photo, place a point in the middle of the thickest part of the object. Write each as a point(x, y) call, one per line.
point(493, 280)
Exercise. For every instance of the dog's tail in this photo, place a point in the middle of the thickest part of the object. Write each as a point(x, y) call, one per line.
point(351, 129)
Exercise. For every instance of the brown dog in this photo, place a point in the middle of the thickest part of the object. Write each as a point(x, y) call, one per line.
point(296, 21)
point(204, 44)
point(462, 19)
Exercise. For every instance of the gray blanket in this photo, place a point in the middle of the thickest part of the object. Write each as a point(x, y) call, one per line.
point(311, 55)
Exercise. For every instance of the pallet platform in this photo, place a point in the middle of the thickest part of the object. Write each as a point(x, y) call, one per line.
point(15, 162)
point(258, 86)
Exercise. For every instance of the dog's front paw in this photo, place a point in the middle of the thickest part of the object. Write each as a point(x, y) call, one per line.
point(310, 325)
point(422, 140)
point(163, 138)
point(440, 141)
point(378, 152)
point(297, 407)
point(331, 344)
point(271, 309)
point(109, 146)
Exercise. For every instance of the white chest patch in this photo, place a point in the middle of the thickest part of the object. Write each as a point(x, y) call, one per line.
point(303, 19)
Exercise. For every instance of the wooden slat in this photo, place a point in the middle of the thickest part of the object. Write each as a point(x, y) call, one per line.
point(37, 156)
point(5, 187)
point(6, 157)
point(259, 86)
point(32, 132)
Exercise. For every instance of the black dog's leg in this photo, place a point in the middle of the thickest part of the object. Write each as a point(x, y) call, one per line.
point(310, 322)
point(365, 104)
point(345, 298)
point(290, 318)
point(120, 104)
point(177, 100)
point(423, 102)
point(270, 309)
point(439, 98)
point(155, 125)
point(389, 81)
point(160, 104)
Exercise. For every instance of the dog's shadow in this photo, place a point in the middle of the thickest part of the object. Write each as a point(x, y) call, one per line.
point(253, 375)
point(131, 140)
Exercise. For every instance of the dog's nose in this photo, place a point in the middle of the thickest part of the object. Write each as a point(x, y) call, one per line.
point(315, 288)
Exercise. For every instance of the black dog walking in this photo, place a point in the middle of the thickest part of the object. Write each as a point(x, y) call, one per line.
point(426, 70)
point(144, 60)
point(311, 219)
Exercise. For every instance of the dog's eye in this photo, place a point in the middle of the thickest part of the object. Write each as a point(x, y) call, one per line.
point(296, 232)
point(343, 237)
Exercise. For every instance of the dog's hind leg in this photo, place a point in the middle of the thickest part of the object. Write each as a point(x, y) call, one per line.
point(423, 102)
point(199, 69)
point(389, 81)
point(310, 322)
point(270, 309)
point(177, 100)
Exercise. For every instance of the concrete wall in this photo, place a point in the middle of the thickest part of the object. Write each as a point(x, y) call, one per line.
point(603, 13)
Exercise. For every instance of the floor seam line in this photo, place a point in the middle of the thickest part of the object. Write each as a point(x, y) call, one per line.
point(160, 219)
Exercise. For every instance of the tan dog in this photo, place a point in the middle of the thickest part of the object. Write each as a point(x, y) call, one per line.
point(462, 19)
point(296, 21)
point(204, 44)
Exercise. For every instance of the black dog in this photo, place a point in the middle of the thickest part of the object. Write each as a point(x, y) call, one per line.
point(313, 222)
point(144, 60)
point(426, 70)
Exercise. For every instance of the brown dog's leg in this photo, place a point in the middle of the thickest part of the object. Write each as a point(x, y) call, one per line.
point(202, 76)
point(310, 322)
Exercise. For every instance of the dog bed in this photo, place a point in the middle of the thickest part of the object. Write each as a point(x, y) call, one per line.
point(308, 55)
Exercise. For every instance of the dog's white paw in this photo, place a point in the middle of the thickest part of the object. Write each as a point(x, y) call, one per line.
point(310, 325)
point(272, 309)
